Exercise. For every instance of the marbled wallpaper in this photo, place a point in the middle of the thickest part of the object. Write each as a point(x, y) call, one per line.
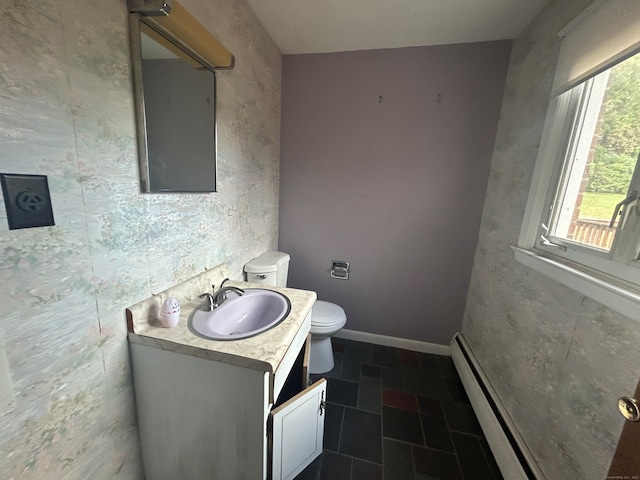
point(66, 111)
point(557, 359)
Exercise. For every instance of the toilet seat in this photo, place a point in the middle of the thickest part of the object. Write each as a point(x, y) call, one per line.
point(326, 314)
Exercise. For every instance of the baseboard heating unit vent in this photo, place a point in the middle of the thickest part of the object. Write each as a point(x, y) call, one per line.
point(508, 448)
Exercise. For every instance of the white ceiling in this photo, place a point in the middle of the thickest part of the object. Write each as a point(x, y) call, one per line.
point(319, 26)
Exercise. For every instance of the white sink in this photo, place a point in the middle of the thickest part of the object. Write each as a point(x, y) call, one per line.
point(241, 316)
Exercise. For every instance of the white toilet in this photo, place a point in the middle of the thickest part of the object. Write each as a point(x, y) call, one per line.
point(272, 268)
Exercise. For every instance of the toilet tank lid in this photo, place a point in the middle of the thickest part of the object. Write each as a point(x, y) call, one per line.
point(267, 262)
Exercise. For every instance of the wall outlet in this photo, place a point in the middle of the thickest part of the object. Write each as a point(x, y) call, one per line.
point(27, 200)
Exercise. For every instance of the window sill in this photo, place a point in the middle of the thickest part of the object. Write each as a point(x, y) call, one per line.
point(616, 297)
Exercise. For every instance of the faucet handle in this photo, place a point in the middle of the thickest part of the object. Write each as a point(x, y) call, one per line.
point(210, 298)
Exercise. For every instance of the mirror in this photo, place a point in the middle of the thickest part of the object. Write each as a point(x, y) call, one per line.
point(175, 98)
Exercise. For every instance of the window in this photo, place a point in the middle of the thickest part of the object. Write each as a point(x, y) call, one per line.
point(592, 215)
point(582, 221)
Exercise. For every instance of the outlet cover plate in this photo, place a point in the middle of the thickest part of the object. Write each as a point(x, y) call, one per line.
point(27, 200)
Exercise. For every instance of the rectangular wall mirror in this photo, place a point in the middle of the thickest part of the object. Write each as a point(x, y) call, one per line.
point(175, 103)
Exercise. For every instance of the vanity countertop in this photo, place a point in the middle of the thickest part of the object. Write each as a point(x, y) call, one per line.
point(263, 352)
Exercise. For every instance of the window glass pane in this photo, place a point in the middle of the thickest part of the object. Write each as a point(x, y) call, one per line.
point(601, 158)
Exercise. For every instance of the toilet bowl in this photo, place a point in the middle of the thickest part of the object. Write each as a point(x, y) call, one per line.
point(271, 268)
point(326, 320)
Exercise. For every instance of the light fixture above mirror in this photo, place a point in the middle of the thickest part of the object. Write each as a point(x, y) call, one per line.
point(173, 22)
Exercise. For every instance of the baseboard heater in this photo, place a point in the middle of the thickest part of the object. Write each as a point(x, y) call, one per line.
point(512, 455)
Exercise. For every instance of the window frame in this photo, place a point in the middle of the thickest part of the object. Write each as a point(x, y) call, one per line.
point(624, 251)
point(613, 277)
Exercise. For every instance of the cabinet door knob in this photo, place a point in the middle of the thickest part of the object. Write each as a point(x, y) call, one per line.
point(629, 408)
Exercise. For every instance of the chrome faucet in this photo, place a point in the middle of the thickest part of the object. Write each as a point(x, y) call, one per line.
point(211, 305)
point(218, 298)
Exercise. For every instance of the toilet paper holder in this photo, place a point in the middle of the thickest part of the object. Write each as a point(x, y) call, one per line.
point(339, 269)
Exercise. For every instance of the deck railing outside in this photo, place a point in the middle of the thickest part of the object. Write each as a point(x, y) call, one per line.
point(594, 232)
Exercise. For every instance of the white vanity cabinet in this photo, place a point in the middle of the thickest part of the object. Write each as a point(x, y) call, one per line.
point(206, 419)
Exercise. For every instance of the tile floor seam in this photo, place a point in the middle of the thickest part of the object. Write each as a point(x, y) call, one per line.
point(416, 445)
point(488, 460)
point(381, 435)
point(340, 434)
point(455, 450)
point(424, 434)
point(446, 421)
point(413, 459)
point(352, 458)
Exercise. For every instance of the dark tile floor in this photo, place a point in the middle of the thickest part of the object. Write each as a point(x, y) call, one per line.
point(395, 414)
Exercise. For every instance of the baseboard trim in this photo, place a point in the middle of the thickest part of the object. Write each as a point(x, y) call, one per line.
point(407, 344)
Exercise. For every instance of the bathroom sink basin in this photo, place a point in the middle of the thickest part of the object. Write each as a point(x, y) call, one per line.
point(241, 316)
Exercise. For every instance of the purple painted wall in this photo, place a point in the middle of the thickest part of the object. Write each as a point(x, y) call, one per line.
point(384, 162)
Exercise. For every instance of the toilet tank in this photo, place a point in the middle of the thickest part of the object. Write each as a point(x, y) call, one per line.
point(270, 268)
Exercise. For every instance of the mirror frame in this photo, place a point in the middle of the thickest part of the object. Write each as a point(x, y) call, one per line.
point(135, 42)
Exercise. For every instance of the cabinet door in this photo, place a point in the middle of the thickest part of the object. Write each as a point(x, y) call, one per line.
point(306, 358)
point(297, 428)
